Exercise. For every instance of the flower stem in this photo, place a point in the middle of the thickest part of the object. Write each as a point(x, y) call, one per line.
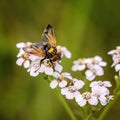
point(62, 100)
point(89, 116)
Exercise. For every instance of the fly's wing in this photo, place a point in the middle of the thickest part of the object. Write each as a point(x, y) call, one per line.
point(48, 36)
point(35, 49)
point(48, 39)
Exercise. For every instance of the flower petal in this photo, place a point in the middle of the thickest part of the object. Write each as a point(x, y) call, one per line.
point(20, 61)
point(48, 71)
point(58, 67)
point(93, 100)
point(20, 45)
point(53, 84)
point(63, 83)
point(26, 64)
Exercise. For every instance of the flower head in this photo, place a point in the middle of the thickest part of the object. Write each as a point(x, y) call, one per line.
point(116, 58)
point(101, 84)
point(60, 79)
point(35, 63)
point(85, 97)
point(100, 90)
point(93, 71)
point(79, 65)
point(97, 60)
point(72, 90)
point(92, 66)
point(25, 58)
point(64, 51)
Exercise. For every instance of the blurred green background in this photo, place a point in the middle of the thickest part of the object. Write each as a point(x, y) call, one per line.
point(86, 27)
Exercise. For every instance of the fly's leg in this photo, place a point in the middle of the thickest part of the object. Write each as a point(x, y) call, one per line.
point(52, 64)
point(42, 60)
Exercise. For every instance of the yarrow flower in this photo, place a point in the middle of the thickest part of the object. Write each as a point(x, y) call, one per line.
point(102, 84)
point(79, 65)
point(64, 51)
point(116, 58)
point(100, 90)
point(72, 90)
point(69, 86)
point(60, 79)
point(85, 97)
point(32, 61)
point(93, 71)
point(22, 56)
point(99, 93)
point(92, 66)
point(35, 68)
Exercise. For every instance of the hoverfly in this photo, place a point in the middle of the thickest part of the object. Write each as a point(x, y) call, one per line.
point(47, 47)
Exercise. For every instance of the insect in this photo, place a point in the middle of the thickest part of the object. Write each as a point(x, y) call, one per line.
point(47, 47)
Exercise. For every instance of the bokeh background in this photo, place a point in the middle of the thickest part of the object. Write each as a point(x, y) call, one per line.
point(86, 27)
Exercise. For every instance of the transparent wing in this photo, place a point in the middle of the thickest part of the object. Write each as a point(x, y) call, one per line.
point(48, 36)
point(35, 49)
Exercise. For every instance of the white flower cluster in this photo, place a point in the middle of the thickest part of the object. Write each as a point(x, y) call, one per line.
point(99, 92)
point(92, 66)
point(32, 62)
point(70, 87)
point(116, 58)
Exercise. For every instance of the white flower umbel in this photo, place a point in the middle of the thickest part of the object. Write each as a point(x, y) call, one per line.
point(26, 59)
point(97, 60)
point(21, 52)
point(23, 57)
point(72, 89)
point(85, 97)
point(117, 68)
point(60, 79)
point(93, 71)
point(33, 63)
point(99, 93)
point(115, 51)
point(92, 66)
point(116, 58)
point(79, 65)
point(101, 84)
point(64, 51)
point(46, 67)
point(100, 90)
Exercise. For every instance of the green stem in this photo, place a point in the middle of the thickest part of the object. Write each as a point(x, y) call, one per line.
point(107, 108)
point(89, 116)
point(84, 113)
point(62, 100)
